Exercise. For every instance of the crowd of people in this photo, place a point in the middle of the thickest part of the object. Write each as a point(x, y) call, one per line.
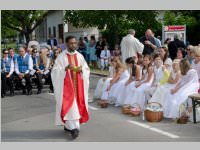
point(149, 72)
point(31, 65)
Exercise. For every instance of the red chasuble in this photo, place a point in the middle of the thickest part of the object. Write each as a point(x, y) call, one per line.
point(73, 88)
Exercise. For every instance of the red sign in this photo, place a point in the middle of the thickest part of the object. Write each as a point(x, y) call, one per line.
point(175, 28)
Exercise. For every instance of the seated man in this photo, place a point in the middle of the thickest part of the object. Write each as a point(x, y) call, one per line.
point(24, 64)
point(7, 69)
point(36, 68)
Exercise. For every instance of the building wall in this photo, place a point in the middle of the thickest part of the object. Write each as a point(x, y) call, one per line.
point(41, 31)
point(53, 20)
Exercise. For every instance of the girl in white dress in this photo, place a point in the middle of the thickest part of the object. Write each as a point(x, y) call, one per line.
point(161, 75)
point(127, 85)
point(136, 94)
point(104, 82)
point(174, 77)
point(174, 97)
point(165, 57)
point(120, 73)
point(196, 62)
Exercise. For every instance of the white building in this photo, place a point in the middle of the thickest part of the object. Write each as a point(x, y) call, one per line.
point(54, 25)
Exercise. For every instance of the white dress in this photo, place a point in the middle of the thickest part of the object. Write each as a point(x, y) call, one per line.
point(110, 95)
point(102, 84)
point(158, 96)
point(116, 87)
point(172, 102)
point(124, 92)
point(137, 95)
point(197, 68)
point(158, 76)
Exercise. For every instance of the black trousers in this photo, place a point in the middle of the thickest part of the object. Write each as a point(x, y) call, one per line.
point(6, 83)
point(47, 78)
point(27, 85)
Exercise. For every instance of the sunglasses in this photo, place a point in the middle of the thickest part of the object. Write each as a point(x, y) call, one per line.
point(5, 53)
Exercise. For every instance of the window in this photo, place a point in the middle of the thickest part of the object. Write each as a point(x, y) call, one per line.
point(54, 31)
point(49, 31)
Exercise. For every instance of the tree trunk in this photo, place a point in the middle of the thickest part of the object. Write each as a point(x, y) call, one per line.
point(27, 37)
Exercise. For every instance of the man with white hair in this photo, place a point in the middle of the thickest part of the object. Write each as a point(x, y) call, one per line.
point(130, 46)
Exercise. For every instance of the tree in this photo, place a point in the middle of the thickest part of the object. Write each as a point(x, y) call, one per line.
point(23, 21)
point(114, 23)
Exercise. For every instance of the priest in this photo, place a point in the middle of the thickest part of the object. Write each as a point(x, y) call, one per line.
point(130, 46)
point(70, 78)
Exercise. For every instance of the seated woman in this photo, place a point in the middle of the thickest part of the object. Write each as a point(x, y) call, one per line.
point(196, 62)
point(126, 86)
point(136, 95)
point(120, 74)
point(104, 82)
point(174, 77)
point(43, 69)
point(174, 97)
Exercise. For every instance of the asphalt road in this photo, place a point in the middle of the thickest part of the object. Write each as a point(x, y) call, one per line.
point(31, 119)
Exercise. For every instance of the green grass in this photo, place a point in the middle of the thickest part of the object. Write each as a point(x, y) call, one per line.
point(99, 71)
point(13, 45)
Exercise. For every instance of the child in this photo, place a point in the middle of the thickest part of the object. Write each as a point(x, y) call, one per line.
point(196, 62)
point(136, 94)
point(174, 97)
point(161, 76)
point(174, 78)
point(105, 56)
point(104, 82)
point(127, 85)
point(120, 74)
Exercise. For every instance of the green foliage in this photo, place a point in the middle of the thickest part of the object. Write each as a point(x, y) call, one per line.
point(23, 21)
point(114, 23)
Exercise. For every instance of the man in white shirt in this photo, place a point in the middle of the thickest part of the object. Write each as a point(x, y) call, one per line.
point(7, 69)
point(105, 57)
point(130, 46)
point(24, 66)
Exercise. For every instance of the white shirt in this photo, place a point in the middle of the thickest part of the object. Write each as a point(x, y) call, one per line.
point(130, 46)
point(11, 65)
point(30, 64)
point(105, 54)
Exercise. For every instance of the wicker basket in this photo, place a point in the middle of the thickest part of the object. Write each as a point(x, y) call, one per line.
point(126, 110)
point(152, 116)
point(135, 113)
point(103, 103)
point(182, 120)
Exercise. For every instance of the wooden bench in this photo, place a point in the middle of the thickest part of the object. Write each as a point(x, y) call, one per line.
point(195, 101)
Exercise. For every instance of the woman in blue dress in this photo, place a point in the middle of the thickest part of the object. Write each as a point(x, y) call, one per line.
point(92, 51)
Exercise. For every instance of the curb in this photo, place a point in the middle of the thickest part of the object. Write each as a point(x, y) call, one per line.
point(99, 74)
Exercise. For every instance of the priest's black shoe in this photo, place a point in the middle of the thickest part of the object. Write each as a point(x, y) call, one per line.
point(75, 133)
point(67, 129)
